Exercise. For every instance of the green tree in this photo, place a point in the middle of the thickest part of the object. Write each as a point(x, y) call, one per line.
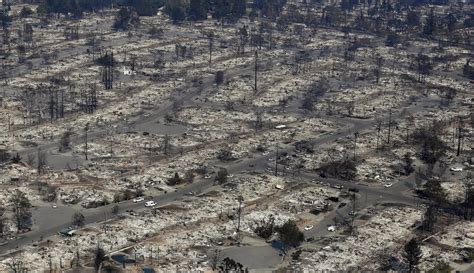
point(412, 255)
point(78, 219)
point(5, 19)
point(176, 9)
point(343, 169)
point(230, 265)
point(289, 234)
point(430, 217)
point(5, 156)
point(26, 11)
point(175, 180)
point(412, 19)
point(99, 257)
point(21, 209)
point(198, 9)
point(392, 39)
point(408, 167)
point(451, 22)
point(238, 8)
point(265, 228)
point(125, 19)
point(221, 176)
point(432, 147)
point(430, 26)
point(434, 191)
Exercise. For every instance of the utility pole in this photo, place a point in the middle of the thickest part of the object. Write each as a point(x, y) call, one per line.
point(379, 128)
point(105, 222)
point(356, 135)
point(353, 197)
point(389, 126)
point(85, 148)
point(256, 70)
point(62, 103)
point(239, 214)
point(276, 160)
point(459, 136)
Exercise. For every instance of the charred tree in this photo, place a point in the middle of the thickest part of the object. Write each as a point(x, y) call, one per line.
point(107, 62)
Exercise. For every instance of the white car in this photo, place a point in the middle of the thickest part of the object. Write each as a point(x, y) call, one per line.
point(55, 206)
point(456, 169)
point(332, 228)
point(139, 199)
point(308, 227)
point(150, 204)
point(388, 185)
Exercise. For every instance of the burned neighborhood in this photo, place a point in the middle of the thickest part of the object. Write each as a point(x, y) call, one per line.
point(236, 135)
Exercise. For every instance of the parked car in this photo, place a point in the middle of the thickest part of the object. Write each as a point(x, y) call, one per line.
point(388, 185)
point(67, 232)
point(332, 228)
point(139, 199)
point(150, 204)
point(310, 227)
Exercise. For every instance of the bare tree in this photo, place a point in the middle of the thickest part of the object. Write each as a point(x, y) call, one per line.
point(17, 265)
point(256, 72)
point(378, 68)
point(210, 37)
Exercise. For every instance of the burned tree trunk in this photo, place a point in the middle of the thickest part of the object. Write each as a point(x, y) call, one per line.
point(107, 62)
